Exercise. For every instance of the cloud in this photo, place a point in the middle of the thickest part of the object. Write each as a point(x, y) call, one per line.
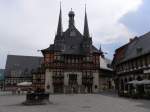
point(29, 25)
point(138, 21)
point(106, 25)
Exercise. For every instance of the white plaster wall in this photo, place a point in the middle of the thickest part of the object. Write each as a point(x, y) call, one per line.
point(66, 78)
point(49, 81)
point(96, 82)
point(79, 78)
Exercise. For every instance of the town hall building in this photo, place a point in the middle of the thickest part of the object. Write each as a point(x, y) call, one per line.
point(72, 63)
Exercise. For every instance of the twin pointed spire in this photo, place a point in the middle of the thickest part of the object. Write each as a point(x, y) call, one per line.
point(71, 15)
point(86, 27)
point(59, 28)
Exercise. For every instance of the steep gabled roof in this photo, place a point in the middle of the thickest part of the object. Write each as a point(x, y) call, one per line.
point(137, 47)
point(72, 41)
point(95, 50)
point(72, 44)
point(22, 63)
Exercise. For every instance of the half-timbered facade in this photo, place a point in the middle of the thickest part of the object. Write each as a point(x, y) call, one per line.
point(72, 63)
point(132, 62)
point(19, 69)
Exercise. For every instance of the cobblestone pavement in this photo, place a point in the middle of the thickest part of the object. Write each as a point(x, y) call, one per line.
point(76, 103)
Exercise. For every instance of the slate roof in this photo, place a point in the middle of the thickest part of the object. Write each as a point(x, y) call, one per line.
point(137, 47)
point(22, 63)
point(142, 43)
point(72, 44)
point(71, 41)
point(95, 50)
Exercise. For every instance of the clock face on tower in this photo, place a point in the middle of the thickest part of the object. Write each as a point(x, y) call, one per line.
point(72, 33)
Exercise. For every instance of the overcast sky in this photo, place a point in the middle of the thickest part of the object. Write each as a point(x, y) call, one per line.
point(30, 25)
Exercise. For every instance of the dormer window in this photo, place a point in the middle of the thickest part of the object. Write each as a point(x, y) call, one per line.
point(72, 47)
point(72, 33)
point(139, 50)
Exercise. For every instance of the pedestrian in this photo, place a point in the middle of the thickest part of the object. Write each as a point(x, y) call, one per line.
point(19, 90)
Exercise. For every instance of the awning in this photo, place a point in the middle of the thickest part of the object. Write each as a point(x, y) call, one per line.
point(144, 82)
point(133, 82)
point(25, 84)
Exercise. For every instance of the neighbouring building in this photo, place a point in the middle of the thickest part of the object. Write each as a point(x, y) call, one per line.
point(38, 79)
point(19, 69)
point(1, 78)
point(72, 63)
point(132, 62)
point(106, 75)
